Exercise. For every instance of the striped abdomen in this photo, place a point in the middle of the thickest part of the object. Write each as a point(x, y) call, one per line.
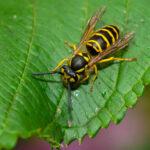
point(102, 39)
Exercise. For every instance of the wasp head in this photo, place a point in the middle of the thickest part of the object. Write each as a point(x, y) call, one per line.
point(68, 75)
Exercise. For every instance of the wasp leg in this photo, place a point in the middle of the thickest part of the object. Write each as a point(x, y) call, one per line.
point(113, 58)
point(95, 69)
point(71, 45)
point(60, 64)
point(85, 78)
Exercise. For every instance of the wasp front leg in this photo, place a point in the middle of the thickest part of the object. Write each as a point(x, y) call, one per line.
point(71, 45)
point(60, 64)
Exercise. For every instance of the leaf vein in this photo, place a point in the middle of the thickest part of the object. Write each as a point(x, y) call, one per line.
point(25, 67)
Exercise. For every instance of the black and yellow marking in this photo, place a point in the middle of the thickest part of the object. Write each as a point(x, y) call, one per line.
point(108, 35)
point(79, 62)
point(92, 48)
point(102, 39)
point(114, 30)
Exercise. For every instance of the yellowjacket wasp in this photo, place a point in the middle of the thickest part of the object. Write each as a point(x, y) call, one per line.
point(99, 44)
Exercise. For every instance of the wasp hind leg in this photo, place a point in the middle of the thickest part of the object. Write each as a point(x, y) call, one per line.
point(60, 64)
point(96, 73)
point(113, 58)
point(71, 45)
point(106, 60)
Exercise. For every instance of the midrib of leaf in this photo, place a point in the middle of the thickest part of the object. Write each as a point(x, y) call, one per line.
point(126, 15)
point(119, 65)
point(25, 67)
point(124, 28)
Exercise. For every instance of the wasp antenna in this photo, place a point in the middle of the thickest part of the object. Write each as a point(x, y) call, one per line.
point(69, 96)
point(44, 73)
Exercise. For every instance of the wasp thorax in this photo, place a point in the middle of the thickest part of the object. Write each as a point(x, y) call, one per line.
point(68, 75)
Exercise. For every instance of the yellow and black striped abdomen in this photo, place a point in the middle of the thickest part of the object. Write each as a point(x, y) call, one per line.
point(102, 39)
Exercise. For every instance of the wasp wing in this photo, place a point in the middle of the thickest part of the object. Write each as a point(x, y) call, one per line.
point(119, 44)
point(90, 26)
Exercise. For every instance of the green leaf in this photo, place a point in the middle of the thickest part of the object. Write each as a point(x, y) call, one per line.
point(32, 35)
